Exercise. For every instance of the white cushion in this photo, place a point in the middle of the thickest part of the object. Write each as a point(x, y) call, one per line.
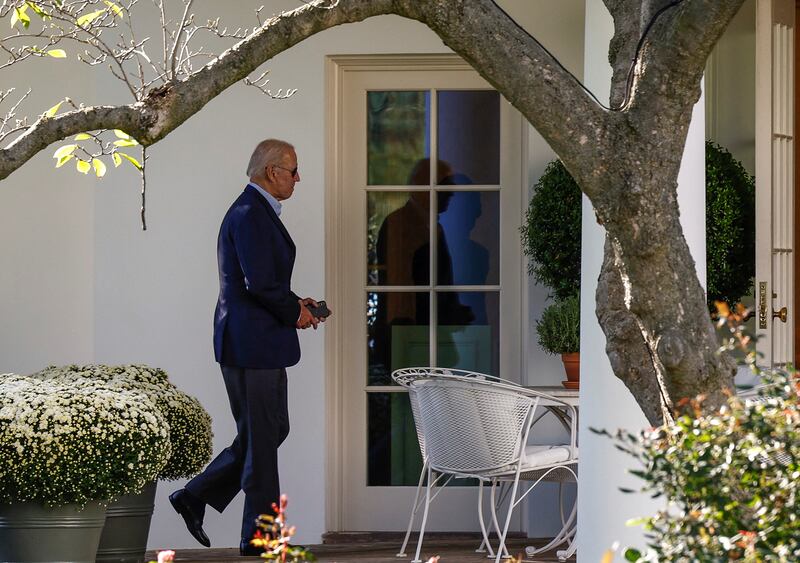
point(540, 456)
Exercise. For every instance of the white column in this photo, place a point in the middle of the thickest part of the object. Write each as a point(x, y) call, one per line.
point(605, 401)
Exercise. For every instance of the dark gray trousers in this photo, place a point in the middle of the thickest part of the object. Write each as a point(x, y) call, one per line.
point(250, 464)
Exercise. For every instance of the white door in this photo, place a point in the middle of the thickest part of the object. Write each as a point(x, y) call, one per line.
point(429, 167)
point(775, 180)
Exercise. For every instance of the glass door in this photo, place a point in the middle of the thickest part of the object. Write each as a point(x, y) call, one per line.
point(424, 177)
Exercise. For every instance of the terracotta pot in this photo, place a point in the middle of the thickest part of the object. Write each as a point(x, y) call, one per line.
point(572, 365)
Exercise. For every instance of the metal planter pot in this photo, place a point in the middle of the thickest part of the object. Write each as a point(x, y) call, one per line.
point(33, 533)
point(127, 526)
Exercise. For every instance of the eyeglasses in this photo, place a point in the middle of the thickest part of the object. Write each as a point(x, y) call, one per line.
point(293, 171)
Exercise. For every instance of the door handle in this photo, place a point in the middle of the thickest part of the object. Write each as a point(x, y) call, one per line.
point(781, 314)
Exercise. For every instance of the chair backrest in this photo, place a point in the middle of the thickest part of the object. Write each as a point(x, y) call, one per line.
point(471, 427)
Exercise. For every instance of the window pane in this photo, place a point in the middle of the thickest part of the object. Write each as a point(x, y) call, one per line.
point(469, 136)
point(398, 137)
point(393, 454)
point(398, 238)
point(468, 251)
point(468, 332)
point(398, 333)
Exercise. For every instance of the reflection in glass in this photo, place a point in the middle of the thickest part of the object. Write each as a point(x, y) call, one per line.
point(397, 135)
point(393, 456)
point(398, 238)
point(397, 333)
point(469, 238)
point(469, 134)
point(467, 336)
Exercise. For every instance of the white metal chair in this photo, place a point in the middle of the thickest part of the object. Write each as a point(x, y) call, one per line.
point(477, 426)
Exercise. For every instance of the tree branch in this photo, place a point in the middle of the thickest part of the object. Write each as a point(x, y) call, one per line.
point(527, 74)
point(674, 56)
point(477, 30)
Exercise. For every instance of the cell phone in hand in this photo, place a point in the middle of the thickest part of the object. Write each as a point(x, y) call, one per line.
point(321, 311)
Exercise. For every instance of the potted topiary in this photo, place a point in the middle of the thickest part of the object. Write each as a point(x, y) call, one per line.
point(189, 425)
point(559, 333)
point(65, 448)
point(730, 227)
point(551, 238)
point(551, 235)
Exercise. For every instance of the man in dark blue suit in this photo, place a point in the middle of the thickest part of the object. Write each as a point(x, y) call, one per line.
point(255, 340)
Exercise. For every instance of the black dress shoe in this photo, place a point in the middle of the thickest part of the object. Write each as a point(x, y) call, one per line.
point(246, 549)
point(192, 509)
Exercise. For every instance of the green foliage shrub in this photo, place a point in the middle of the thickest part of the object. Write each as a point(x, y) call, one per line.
point(732, 478)
point(551, 235)
point(730, 226)
point(560, 326)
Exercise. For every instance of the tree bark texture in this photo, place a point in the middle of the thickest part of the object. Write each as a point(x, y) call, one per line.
point(626, 159)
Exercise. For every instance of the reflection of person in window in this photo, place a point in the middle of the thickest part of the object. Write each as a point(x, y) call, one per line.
point(470, 258)
point(403, 256)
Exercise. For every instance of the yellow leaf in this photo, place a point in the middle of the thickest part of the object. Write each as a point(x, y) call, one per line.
point(82, 136)
point(64, 159)
point(83, 166)
point(64, 151)
point(19, 15)
point(117, 160)
point(57, 53)
point(52, 111)
point(131, 160)
point(116, 9)
point(99, 167)
point(125, 143)
point(121, 134)
point(89, 18)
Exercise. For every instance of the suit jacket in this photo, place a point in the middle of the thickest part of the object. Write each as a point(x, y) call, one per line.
point(254, 322)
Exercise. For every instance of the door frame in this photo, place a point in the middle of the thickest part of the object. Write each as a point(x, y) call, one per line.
point(336, 69)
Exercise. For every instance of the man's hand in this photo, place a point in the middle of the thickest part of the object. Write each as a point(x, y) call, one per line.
point(306, 318)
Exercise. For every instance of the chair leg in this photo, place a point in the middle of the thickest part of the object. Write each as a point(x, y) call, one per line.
point(414, 509)
point(494, 502)
point(502, 545)
point(485, 534)
point(424, 517)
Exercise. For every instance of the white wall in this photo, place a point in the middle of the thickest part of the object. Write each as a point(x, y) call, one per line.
point(731, 91)
point(46, 226)
point(605, 401)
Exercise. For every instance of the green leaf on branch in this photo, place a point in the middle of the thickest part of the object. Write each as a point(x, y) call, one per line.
point(82, 136)
point(83, 166)
point(57, 53)
point(130, 159)
point(117, 160)
point(64, 151)
point(122, 134)
point(632, 554)
point(19, 15)
point(99, 167)
point(52, 111)
point(64, 159)
point(87, 19)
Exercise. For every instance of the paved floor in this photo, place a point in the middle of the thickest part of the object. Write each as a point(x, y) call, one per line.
point(450, 551)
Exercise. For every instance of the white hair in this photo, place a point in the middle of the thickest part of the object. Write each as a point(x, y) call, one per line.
point(268, 151)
